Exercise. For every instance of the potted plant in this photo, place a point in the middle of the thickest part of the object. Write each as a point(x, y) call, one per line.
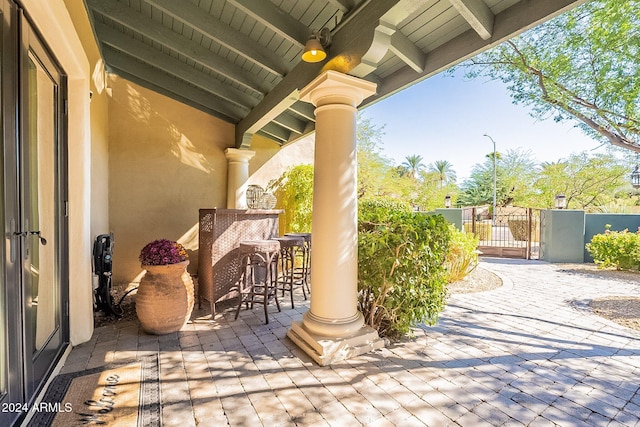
point(165, 296)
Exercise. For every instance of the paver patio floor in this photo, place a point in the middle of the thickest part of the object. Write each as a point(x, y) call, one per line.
point(528, 353)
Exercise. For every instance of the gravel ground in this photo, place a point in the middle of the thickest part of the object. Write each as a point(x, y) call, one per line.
point(624, 310)
point(479, 280)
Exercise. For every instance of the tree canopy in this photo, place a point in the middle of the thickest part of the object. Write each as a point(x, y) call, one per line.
point(515, 174)
point(413, 165)
point(444, 171)
point(582, 65)
point(587, 182)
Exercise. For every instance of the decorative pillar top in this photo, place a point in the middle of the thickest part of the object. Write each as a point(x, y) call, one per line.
point(237, 155)
point(332, 87)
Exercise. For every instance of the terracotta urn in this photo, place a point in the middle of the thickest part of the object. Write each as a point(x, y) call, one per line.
point(165, 298)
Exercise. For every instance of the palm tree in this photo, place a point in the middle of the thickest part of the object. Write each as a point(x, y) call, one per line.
point(445, 171)
point(413, 164)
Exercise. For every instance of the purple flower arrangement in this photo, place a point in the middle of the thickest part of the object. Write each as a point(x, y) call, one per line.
point(163, 252)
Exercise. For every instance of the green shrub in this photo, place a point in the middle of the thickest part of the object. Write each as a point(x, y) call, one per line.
point(401, 266)
point(294, 192)
point(462, 257)
point(619, 249)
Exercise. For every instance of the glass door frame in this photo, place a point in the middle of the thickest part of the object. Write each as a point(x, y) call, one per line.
point(11, 296)
point(43, 360)
point(25, 371)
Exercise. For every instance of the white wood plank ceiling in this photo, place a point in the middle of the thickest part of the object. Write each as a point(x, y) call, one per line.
point(239, 60)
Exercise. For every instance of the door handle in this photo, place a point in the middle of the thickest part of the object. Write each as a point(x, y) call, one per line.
point(43, 241)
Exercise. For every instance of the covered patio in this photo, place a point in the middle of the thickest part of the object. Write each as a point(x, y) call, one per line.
point(527, 353)
point(240, 62)
point(158, 108)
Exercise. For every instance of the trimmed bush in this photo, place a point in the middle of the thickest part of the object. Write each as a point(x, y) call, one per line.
point(401, 266)
point(619, 249)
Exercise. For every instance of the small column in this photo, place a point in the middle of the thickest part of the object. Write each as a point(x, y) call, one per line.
point(333, 328)
point(237, 176)
point(563, 235)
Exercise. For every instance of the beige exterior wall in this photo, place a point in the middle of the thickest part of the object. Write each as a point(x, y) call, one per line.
point(270, 161)
point(166, 162)
point(140, 164)
point(99, 120)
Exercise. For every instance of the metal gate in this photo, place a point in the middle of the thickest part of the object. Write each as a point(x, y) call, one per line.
point(513, 232)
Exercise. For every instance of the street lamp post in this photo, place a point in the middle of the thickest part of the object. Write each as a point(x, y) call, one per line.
point(493, 216)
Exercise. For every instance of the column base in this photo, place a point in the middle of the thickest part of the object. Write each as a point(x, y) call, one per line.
point(326, 350)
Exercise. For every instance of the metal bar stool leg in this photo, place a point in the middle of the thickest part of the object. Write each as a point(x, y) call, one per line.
point(258, 285)
point(288, 279)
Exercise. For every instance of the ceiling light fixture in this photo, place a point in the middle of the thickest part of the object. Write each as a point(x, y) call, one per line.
point(314, 49)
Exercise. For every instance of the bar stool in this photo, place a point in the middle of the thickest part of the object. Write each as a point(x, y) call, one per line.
point(303, 271)
point(259, 272)
point(287, 276)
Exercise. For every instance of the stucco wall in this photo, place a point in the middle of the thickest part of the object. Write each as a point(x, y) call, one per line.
point(166, 162)
point(270, 161)
point(562, 235)
point(99, 120)
point(53, 21)
point(596, 223)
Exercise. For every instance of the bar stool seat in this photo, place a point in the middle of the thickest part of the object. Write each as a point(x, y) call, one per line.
point(259, 272)
point(287, 278)
point(303, 270)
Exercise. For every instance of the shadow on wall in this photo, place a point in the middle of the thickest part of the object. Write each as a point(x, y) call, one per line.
point(268, 165)
point(166, 160)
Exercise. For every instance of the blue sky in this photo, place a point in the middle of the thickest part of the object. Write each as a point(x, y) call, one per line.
point(445, 118)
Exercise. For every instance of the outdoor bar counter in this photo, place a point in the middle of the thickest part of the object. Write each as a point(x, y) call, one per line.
point(220, 234)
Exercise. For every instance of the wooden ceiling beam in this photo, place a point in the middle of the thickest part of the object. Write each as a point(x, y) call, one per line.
point(160, 34)
point(304, 110)
point(509, 23)
point(288, 121)
point(140, 51)
point(343, 6)
point(192, 15)
point(279, 133)
point(387, 38)
point(167, 85)
point(477, 14)
point(274, 18)
point(350, 42)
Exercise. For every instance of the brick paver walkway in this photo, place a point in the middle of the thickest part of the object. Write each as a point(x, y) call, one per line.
point(529, 353)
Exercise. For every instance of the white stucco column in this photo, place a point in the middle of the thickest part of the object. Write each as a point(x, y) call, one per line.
point(332, 329)
point(237, 176)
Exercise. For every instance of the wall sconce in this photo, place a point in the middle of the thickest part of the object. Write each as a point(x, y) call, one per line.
point(447, 201)
point(561, 201)
point(314, 49)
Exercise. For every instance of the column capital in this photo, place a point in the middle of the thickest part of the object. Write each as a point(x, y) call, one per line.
point(333, 87)
point(238, 155)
